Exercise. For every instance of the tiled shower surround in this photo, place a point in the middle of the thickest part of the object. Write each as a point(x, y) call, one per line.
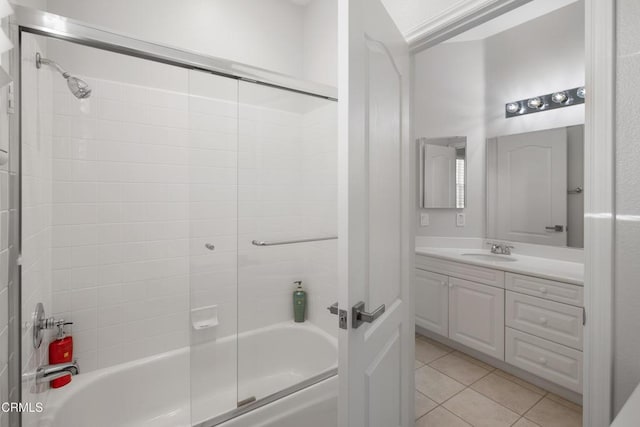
point(144, 176)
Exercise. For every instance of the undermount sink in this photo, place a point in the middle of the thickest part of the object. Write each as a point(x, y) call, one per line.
point(490, 257)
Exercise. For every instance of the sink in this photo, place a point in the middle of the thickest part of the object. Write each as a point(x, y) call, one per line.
point(490, 257)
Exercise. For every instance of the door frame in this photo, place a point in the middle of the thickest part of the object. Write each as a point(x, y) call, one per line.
point(599, 227)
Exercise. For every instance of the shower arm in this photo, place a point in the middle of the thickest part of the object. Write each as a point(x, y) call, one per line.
point(40, 60)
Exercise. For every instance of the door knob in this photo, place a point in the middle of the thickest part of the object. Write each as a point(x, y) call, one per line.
point(359, 316)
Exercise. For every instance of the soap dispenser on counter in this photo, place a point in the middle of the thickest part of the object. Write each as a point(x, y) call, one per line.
point(299, 302)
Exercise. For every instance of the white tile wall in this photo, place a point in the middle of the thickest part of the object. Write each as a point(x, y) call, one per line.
point(287, 190)
point(37, 125)
point(120, 220)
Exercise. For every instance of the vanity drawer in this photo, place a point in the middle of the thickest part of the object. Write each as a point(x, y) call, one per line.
point(554, 362)
point(543, 288)
point(554, 321)
point(460, 270)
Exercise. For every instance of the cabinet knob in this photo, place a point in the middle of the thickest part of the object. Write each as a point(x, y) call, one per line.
point(451, 285)
point(543, 290)
point(443, 283)
point(543, 320)
point(543, 361)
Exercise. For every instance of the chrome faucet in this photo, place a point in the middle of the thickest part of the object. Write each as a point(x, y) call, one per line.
point(500, 248)
point(48, 373)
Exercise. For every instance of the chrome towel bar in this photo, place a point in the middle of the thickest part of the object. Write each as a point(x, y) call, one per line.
point(290, 242)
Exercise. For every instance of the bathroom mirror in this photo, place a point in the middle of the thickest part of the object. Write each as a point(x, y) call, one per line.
point(535, 187)
point(442, 177)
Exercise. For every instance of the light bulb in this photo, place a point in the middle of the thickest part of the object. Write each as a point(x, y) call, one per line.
point(513, 107)
point(581, 92)
point(535, 103)
point(559, 97)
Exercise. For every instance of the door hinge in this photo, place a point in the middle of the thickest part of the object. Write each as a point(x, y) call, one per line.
point(10, 99)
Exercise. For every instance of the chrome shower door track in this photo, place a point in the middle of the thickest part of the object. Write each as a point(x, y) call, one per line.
point(268, 399)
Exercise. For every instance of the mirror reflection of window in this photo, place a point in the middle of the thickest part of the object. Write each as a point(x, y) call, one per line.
point(442, 172)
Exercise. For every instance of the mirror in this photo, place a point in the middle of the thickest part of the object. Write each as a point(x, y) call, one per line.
point(442, 177)
point(535, 188)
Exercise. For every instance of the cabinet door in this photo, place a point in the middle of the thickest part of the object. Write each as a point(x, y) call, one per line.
point(432, 302)
point(476, 316)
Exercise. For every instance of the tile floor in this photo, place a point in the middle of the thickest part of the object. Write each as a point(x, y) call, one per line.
point(454, 389)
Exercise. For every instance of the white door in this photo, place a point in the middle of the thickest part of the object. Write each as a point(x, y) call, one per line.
point(440, 176)
point(432, 301)
point(376, 211)
point(476, 316)
point(532, 187)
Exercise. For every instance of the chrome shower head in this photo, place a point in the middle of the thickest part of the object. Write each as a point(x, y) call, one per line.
point(78, 87)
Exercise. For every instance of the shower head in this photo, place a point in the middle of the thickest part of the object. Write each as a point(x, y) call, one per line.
point(78, 87)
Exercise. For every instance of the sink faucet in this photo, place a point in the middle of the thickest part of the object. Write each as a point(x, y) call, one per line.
point(48, 373)
point(500, 248)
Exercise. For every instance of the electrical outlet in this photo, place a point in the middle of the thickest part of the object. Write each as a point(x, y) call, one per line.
point(424, 219)
point(460, 220)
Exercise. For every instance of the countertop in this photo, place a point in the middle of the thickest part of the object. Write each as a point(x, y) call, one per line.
point(547, 268)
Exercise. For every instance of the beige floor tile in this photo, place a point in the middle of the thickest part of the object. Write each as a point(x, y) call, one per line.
point(428, 352)
point(418, 364)
point(523, 422)
point(521, 382)
point(475, 408)
point(440, 417)
point(437, 344)
point(474, 360)
point(436, 385)
point(507, 393)
point(459, 369)
point(565, 402)
point(548, 413)
point(423, 404)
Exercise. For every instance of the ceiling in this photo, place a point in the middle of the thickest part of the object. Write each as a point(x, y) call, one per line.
point(412, 16)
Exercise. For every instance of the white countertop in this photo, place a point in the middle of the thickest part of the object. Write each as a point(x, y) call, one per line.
point(563, 271)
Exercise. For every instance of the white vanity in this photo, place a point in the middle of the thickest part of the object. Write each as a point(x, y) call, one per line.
point(524, 310)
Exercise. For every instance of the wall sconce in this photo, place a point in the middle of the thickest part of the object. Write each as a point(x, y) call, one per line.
point(536, 104)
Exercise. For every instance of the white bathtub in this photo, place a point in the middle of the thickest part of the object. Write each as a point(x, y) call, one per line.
point(189, 385)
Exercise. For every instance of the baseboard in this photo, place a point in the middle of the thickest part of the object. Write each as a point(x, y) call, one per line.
point(570, 395)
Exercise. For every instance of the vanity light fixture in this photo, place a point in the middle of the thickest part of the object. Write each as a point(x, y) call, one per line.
point(560, 97)
point(513, 107)
point(536, 104)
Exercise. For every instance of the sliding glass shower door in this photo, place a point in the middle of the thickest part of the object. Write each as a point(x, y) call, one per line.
point(287, 192)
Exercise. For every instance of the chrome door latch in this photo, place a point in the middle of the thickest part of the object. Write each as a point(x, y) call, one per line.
point(359, 316)
point(342, 315)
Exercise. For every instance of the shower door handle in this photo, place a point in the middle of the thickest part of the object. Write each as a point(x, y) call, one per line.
point(359, 316)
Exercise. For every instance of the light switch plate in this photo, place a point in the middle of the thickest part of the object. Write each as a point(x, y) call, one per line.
point(460, 220)
point(424, 219)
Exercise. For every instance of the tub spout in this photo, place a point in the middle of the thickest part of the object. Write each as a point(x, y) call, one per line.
point(48, 373)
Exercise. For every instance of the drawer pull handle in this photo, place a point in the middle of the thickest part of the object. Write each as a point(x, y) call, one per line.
point(543, 290)
point(543, 320)
point(543, 361)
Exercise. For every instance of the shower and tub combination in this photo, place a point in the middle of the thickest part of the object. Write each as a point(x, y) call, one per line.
point(168, 203)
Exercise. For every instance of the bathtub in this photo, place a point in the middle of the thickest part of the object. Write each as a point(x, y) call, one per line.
point(190, 385)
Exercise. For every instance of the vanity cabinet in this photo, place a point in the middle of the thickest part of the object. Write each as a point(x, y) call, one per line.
point(476, 316)
point(432, 290)
point(530, 322)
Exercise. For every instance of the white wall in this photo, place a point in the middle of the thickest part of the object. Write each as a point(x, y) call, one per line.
point(626, 308)
point(461, 88)
point(278, 35)
point(448, 91)
point(538, 57)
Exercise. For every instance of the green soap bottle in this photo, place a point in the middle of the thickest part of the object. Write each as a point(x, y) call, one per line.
point(299, 302)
